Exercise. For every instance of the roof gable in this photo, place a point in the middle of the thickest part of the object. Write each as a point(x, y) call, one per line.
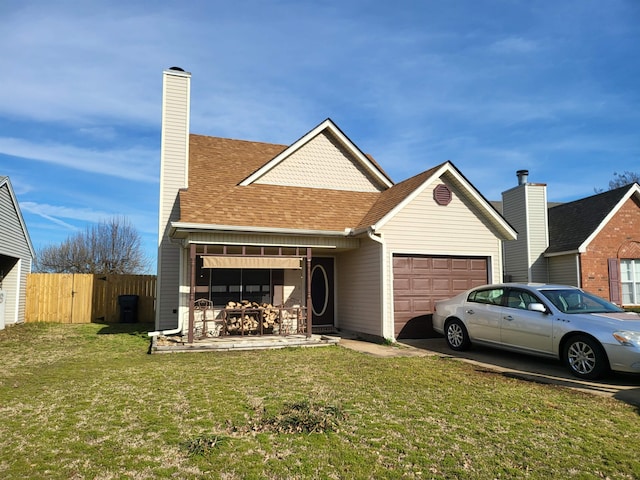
point(400, 195)
point(323, 158)
point(573, 225)
point(12, 221)
point(216, 197)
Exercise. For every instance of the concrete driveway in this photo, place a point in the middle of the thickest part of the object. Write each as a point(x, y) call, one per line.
point(624, 387)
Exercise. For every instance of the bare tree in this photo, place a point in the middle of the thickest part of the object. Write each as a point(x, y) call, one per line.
point(623, 179)
point(111, 247)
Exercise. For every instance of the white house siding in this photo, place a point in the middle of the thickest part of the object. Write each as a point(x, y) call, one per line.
point(538, 231)
point(15, 257)
point(525, 208)
point(514, 210)
point(321, 163)
point(359, 289)
point(564, 269)
point(173, 176)
point(425, 228)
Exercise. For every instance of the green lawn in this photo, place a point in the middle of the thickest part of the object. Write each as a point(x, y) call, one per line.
point(88, 402)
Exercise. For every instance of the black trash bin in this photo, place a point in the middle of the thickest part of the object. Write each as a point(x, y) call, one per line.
point(128, 308)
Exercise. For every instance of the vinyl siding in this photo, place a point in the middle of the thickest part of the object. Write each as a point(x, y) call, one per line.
point(525, 208)
point(13, 241)
point(458, 229)
point(173, 177)
point(359, 295)
point(15, 257)
point(538, 232)
point(564, 269)
point(321, 163)
point(514, 210)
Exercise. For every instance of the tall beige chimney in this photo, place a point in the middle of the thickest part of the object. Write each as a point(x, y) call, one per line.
point(525, 208)
point(174, 165)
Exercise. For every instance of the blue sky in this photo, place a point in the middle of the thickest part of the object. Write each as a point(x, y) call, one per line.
point(493, 85)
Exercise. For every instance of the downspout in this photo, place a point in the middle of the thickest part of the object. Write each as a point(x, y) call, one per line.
point(178, 329)
point(383, 290)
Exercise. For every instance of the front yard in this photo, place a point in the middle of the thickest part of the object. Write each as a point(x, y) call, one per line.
point(88, 402)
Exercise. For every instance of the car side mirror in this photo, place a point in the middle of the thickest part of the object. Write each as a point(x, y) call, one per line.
point(537, 307)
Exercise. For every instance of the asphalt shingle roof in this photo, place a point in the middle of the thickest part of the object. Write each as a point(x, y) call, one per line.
point(390, 198)
point(570, 224)
point(217, 165)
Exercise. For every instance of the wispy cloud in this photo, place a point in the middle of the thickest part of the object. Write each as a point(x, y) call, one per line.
point(133, 163)
point(55, 213)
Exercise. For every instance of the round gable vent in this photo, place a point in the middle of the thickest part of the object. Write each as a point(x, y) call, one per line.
point(442, 194)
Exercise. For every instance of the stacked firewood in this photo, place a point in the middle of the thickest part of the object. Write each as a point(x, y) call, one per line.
point(245, 316)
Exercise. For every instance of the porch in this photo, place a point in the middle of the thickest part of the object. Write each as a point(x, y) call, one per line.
point(179, 344)
point(257, 291)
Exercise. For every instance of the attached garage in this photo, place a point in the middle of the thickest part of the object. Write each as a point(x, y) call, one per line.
point(419, 280)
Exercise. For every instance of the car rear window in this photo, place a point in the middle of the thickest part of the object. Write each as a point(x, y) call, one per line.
point(492, 296)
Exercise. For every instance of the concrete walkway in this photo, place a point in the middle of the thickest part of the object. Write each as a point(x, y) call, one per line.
point(624, 387)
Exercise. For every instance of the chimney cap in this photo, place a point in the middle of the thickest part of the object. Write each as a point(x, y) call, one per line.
point(522, 176)
point(177, 69)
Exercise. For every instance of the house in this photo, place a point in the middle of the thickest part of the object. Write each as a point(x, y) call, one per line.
point(16, 257)
point(316, 226)
point(592, 243)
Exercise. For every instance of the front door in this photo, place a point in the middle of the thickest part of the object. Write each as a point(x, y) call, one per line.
point(322, 294)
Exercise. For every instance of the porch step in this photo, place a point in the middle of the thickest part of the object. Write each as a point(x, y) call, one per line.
point(165, 345)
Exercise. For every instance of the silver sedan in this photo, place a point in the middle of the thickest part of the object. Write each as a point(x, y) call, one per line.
point(590, 335)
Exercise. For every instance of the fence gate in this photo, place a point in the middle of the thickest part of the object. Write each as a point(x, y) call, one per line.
point(86, 298)
point(59, 298)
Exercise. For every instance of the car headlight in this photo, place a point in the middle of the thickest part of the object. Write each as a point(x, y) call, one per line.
point(628, 338)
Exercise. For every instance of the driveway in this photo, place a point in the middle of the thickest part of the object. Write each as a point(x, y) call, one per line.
point(624, 387)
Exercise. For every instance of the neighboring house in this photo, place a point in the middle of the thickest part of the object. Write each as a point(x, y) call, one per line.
point(315, 223)
point(592, 243)
point(16, 257)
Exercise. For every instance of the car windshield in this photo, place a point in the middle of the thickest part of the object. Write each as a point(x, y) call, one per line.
point(576, 301)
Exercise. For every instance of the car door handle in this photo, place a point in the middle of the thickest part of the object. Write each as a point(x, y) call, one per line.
point(508, 317)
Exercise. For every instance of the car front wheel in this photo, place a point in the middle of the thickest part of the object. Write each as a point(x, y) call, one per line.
point(456, 335)
point(585, 357)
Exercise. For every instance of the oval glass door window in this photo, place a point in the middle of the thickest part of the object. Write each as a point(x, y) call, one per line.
point(319, 290)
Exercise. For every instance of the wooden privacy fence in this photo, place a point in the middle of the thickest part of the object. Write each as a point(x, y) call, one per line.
point(87, 298)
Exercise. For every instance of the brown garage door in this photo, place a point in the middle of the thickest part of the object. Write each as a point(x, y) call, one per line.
point(420, 280)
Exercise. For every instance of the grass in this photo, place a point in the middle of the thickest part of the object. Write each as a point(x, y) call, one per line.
point(88, 402)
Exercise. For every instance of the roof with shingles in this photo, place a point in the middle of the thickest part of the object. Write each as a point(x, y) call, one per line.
point(571, 224)
point(215, 197)
point(217, 165)
point(390, 198)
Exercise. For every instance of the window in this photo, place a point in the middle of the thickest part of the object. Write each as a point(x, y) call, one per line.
point(573, 300)
point(235, 285)
point(491, 296)
point(222, 285)
point(630, 281)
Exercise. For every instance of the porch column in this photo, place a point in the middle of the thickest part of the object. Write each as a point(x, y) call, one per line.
point(192, 290)
point(309, 304)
